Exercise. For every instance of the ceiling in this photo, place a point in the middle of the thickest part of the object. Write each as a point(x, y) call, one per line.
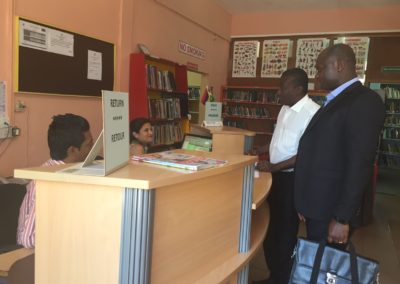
point(254, 6)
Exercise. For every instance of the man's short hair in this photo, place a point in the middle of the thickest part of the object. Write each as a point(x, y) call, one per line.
point(342, 51)
point(66, 130)
point(299, 77)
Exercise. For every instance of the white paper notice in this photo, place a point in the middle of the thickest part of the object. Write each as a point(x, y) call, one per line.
point(94, 65)
point(46, 39)
point(33, 36)
point(61, 43)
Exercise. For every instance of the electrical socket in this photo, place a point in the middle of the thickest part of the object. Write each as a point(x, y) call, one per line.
point(20, 106)
point(16, 131)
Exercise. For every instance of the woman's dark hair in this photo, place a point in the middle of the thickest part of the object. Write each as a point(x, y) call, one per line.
point(66, 130)
point(135, 126)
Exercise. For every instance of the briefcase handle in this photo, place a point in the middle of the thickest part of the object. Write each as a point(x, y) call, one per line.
point(318, 259)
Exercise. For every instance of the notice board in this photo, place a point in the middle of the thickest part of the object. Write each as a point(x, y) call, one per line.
point(56, 61)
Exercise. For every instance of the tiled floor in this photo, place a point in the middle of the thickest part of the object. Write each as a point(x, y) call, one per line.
point(379, 240)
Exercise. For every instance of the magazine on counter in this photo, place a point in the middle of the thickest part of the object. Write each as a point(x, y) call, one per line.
point(179, 160)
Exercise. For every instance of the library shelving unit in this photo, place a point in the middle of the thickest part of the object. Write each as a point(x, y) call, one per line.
point(194, 103)
point(389, 152)
point(158, 90)
point(251, 108)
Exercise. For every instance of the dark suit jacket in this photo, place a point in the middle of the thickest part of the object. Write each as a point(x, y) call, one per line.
point(336, 154)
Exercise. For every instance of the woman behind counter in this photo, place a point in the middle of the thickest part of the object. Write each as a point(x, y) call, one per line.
point(141, 136)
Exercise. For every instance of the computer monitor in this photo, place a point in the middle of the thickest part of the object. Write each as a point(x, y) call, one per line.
point(197, 143)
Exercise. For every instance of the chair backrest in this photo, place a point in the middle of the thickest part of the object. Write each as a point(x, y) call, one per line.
point(11, 196)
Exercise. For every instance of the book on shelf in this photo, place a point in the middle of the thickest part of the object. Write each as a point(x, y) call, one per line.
point(255, 96)
point(194, 93)
point(167, 134)
point(165, 108)
point(180, 160)
point(160, 79)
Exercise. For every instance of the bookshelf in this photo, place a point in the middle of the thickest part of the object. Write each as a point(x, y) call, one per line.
point(194, 103)
point(251, 108)
point(389, 152)
point(158, 90)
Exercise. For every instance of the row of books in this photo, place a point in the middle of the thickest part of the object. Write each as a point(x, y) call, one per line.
point(393, 148)
point(194, 93)
point(160, 79)
point(165, 108)
point(259, 96)
point(167, 134)
point(235, 123)
point(392, 120)
point(392, 93)
point(240, 110)
point(393, 106)
point(391, 161)
point(391, 133)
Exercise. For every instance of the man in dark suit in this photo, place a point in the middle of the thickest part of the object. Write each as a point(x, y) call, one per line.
point(337, 150)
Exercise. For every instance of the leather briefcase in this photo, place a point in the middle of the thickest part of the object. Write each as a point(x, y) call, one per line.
point(317, 263)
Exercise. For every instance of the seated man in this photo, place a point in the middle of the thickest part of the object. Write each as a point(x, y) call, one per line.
point(69, 141)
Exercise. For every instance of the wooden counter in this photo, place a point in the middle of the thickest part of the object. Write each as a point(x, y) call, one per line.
point(146, 223)
point(262, 186)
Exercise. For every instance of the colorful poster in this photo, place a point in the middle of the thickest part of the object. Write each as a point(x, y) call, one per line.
point(360, 45)
point(245, 54)
point(307, 53)
point(275, 57)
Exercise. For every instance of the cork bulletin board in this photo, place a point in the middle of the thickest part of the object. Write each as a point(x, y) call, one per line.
point(55, 61)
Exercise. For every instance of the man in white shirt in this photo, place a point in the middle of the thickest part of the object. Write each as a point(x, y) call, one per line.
point(293, 118)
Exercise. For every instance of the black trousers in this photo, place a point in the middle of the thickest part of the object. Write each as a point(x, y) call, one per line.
point(283, 227)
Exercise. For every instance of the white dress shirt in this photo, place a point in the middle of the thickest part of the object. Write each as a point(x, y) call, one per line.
point(290, 126)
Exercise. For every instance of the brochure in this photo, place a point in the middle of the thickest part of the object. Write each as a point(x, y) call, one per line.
point(179, 160)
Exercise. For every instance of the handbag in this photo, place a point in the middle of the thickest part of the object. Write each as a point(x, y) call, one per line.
point(317, 263)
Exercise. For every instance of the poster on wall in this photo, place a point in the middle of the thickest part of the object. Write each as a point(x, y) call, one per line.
point(360, 45)
point(307, 53)
point(275, 57)
point(46, 39)
point(245, 54)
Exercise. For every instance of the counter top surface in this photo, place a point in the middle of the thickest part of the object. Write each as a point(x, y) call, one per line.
point(139, 174)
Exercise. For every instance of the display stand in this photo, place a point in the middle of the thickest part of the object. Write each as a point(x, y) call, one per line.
point(147, 224)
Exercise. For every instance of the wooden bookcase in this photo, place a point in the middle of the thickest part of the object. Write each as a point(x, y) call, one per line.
point(251, 108)
point(158, 90)
point(389, 152)
point(194, 103)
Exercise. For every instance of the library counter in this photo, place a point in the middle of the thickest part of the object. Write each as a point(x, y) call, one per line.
point(148, 224)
